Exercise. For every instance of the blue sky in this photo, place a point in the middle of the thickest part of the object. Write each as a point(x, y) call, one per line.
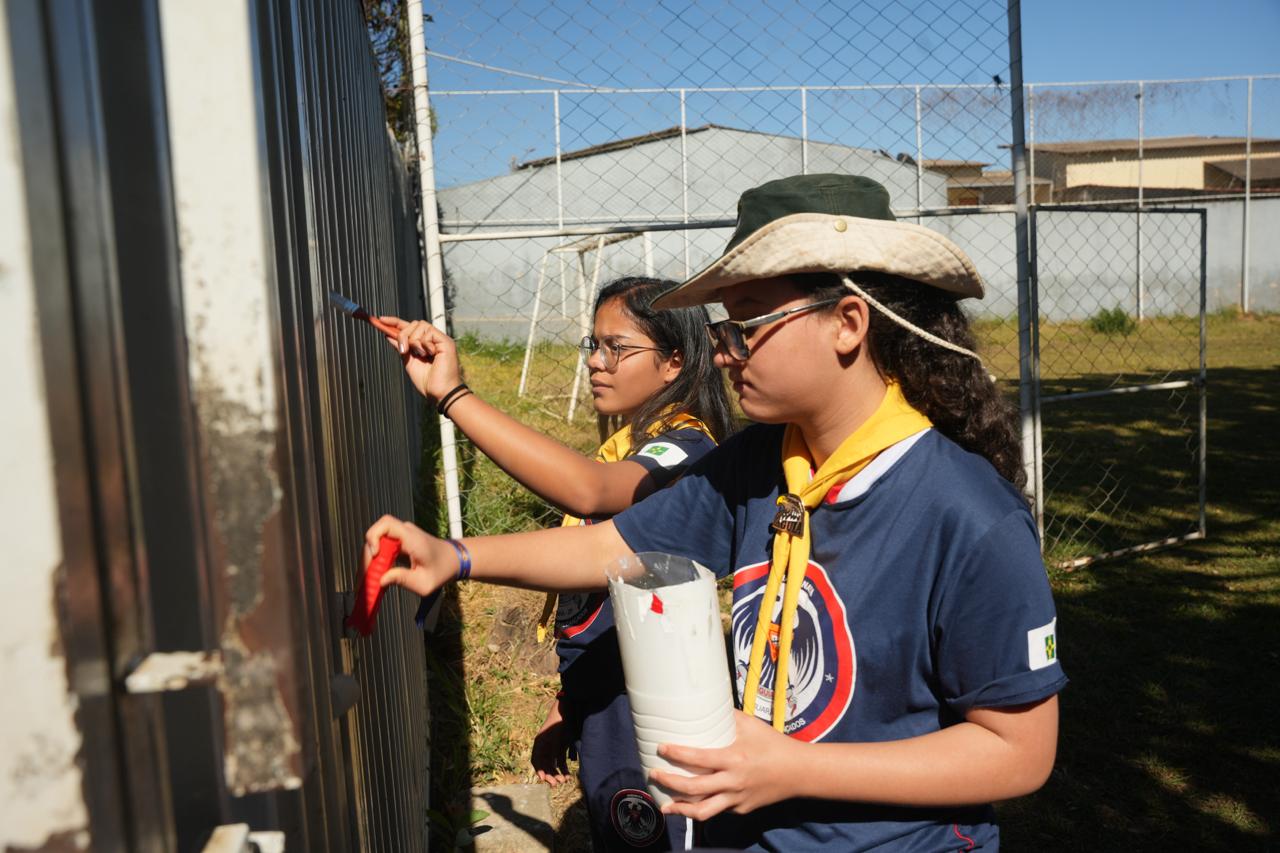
point(1146, 39)
point(667, 44)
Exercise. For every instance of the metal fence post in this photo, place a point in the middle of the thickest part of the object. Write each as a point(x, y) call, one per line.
point(1248, 182)
point(431, 242)
point(804, 131)
point(919, 160)
point(555, 103)
point(1141, 283)
point(1031, 141)
point(1026, 305)
point(684, 179)
point(1203, 373)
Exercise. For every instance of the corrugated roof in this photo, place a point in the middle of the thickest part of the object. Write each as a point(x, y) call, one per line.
point(670, 132)
point(928, 163)
point(627, 142)
point(992, 179)
point(1150, 144)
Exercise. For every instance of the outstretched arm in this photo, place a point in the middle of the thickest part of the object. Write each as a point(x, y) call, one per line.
point(558, 559)
point(995, 754)
point(556, 473)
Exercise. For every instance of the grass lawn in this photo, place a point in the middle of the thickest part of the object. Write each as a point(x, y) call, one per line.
point(1168, 739)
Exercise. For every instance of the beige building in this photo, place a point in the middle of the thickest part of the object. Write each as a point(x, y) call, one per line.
point(1168, 166)
point(970, 184)
point(1109, 170)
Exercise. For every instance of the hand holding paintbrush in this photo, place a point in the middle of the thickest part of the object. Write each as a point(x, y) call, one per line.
point(430, 356)
point(431, 360)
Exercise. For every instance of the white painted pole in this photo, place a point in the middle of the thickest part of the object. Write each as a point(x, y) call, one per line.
point(1031, 143)
point(919, 159)
point(647, 238)
point(1141, 281)
point(533, 323)
point(804, 131)
point(431, 241)
point(559, 172)
point(684, 179)
point(1248, 180)
point(564, 294)
point(585, 294)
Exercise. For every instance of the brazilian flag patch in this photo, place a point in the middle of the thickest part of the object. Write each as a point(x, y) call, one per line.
point(664, 453)
point(1042, 646)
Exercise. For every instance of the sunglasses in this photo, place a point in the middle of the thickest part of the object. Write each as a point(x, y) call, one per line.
point(730, 335)
point(610, 350)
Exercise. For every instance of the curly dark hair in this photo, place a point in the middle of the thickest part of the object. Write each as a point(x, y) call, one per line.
point(952, 390)
point(699, 389)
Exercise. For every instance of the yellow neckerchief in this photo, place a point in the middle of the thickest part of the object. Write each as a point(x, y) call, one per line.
point(893, 421)
point(616, 448)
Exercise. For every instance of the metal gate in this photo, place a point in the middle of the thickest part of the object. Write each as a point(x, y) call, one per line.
point(1119, 378)
point(191, 180)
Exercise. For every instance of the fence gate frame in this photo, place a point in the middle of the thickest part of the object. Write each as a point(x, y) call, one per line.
point(1038, 398)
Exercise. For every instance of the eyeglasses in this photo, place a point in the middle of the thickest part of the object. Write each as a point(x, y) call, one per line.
point(729, 334)
point(610, 350)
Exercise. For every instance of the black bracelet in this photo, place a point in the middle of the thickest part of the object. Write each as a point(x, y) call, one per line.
point(444, 401)
point(454, 402)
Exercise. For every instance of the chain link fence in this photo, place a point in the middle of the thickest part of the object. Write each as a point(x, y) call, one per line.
point(573, 146)
point(1119, 403)
point(1212, 141)
point(1124, 271)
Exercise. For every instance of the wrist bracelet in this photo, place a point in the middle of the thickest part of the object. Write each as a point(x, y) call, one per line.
point(443, 403)
point(464, 559)
point(454, 401)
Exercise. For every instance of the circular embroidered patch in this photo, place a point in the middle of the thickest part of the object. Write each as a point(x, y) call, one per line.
point(636, 817)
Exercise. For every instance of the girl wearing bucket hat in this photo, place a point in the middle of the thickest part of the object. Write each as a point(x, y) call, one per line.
point(893, 634)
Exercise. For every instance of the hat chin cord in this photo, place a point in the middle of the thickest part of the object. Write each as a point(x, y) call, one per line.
point(907, 324)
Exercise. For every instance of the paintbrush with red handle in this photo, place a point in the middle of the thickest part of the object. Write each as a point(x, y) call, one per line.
point(370, 595)
point(353, 310)
point(369, 589)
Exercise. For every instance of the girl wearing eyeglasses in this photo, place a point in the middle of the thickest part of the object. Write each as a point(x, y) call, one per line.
point(653, 371)
point(894, 638)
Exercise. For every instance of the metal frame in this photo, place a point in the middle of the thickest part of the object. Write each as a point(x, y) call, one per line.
point(586, 294)
point(1200, 382)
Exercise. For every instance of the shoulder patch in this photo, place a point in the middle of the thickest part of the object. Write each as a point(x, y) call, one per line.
point(1042, 645)
point(665, 453)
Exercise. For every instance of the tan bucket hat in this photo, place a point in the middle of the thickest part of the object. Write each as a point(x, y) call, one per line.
point(826, 223)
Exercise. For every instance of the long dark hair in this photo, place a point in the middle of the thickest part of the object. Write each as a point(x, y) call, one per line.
point(698, 389)
point(953, 390)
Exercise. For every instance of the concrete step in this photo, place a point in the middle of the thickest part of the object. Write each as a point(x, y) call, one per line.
point(519, 819)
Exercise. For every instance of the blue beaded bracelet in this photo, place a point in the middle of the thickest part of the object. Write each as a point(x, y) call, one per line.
point(464, 572)
point(464, 559)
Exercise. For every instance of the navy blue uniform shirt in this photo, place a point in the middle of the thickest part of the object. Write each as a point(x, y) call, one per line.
point(925, 597)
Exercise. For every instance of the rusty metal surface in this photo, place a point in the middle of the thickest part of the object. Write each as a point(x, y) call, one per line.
point(223, 437)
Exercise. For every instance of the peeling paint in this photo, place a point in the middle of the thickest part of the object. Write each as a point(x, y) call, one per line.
point(59, 842)
point(262, 750)
point(162, 671)
point(41, 802)
point(226, 270)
